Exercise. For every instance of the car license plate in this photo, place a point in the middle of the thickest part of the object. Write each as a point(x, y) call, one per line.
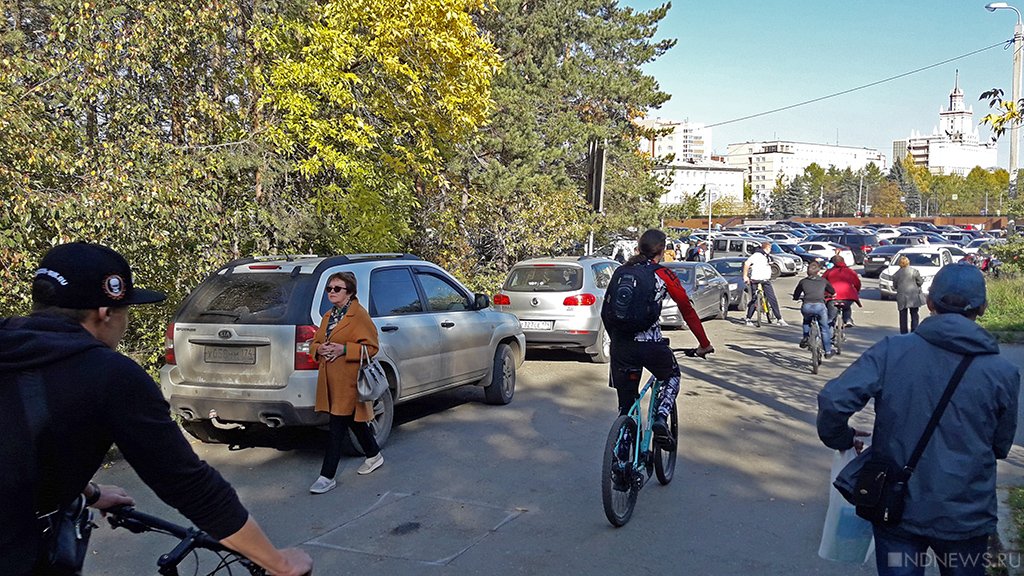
point(537, 324)
point(229, 354)
point(877, 259)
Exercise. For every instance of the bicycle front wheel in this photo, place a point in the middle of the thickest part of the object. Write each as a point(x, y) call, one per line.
point(760, 309)
point(618, 478)
point(665, 460)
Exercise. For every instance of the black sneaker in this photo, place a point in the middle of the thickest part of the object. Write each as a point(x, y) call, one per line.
point(831, 353)
point(803, 342)
point(662, 437)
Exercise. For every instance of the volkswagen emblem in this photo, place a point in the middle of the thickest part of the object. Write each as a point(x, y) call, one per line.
point(225, 334)
point(534, 302)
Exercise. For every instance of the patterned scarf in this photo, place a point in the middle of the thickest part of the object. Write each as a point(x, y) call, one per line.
point(336, 315)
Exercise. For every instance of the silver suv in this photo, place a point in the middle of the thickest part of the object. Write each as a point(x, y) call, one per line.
point(238, 349)
point(558, 302)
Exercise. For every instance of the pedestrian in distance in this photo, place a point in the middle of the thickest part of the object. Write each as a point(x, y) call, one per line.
point(67, 396)
point(346, 334)
point(757, 270)
point(670, 252)
point(813, 290)
point(909, 298)
point(950, 497)
point(847, 285)
point(630, 313)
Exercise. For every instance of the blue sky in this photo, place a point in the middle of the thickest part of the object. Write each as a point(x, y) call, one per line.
point(743, 57)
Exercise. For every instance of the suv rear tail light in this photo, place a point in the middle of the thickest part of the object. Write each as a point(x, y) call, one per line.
point(502, 300)
point(169, 345)
point(866, 248)
point(303, 338)
point(580, 300)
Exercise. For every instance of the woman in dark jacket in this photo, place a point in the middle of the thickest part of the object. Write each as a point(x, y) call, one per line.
point(336, 345)
point(907, 282)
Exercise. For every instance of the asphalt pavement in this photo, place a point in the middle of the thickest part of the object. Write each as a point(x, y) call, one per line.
point(468, 488)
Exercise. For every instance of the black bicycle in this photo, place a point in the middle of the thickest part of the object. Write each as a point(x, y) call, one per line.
point(191, 540)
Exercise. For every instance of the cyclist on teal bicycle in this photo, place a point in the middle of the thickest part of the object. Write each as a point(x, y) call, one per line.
point(631, 314)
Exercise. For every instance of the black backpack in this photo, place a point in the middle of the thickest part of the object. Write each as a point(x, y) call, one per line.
point(629, 302)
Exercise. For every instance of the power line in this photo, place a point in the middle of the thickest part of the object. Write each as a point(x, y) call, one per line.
point(876, 83)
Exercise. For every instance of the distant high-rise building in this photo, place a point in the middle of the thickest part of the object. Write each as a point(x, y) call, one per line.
point(954, 146)
point(765, 162)
point(687, 141)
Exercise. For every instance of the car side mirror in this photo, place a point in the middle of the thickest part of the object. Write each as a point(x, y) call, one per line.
point(481, 301)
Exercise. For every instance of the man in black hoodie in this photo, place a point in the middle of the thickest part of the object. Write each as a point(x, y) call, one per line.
point(66, 396)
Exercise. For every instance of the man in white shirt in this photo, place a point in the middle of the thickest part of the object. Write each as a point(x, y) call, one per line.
point(758, 270)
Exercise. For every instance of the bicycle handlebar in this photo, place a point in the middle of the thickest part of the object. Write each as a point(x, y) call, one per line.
point(191, 538)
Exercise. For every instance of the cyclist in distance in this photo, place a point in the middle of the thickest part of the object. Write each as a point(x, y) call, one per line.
point(67, 395)
point(813, 290)
point(757, 270)
point(847, 285)
point(633, 350)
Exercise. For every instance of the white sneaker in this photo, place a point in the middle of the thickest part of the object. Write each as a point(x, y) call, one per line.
point(748, 322)
point(782, 322)
point(371, 464)
point(322, 485)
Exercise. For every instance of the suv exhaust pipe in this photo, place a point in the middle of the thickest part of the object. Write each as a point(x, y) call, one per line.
point(272, 420)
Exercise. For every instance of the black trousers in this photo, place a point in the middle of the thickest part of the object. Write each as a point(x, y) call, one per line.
point(629, 358)
point(913, 320)
point(339, 427)
point(769, 295)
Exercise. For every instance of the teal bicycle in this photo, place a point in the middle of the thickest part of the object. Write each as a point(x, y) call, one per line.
point(630, 458)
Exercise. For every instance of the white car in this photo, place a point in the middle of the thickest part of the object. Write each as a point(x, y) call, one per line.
point(828, 249)
point(784, 237)
point(980, 244)
point(927, 260)
point(887, 233)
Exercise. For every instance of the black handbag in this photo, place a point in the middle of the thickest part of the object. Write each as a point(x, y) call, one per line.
point(65, 542)
point(880, 488)
point(65, 531)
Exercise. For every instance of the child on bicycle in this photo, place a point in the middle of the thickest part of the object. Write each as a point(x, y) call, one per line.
point(633, 350)
point(813, 290)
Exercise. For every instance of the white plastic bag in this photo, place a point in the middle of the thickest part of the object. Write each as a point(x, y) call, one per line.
point(845, 537)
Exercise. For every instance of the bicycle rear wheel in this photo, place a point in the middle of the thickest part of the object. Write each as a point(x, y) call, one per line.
point(838, 334)
point(665, 460)
point(618, 478)
point(815, 347)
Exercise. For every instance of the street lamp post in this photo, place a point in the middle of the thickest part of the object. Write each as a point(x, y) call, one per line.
point(1018, 44)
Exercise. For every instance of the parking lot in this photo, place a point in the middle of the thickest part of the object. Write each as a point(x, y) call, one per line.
point(470, 488)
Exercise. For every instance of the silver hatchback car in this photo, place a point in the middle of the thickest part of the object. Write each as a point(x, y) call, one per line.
point(237, 350)
point(558, 302)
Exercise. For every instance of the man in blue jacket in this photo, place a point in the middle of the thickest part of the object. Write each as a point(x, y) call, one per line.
point(951, 497)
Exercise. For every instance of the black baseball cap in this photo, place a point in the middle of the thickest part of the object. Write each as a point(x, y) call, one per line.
point(86, 276)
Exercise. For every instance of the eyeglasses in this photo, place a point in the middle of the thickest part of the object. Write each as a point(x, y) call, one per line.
point(336, 289)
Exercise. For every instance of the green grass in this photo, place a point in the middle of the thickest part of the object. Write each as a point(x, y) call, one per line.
point(1005, 312)
point(1016, 502)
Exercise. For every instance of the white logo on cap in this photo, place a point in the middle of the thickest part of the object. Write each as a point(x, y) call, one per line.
point(114, 286)
point(52, 274)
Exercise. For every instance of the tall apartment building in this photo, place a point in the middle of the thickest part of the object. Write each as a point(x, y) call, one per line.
point(954, 146)
point(688, 141)
point(764, 162)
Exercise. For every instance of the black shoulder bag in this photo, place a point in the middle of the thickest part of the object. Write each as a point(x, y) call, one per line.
point(880, 489)
point(64, 531)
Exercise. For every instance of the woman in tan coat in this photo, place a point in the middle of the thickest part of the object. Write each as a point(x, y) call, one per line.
point(336, 345)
